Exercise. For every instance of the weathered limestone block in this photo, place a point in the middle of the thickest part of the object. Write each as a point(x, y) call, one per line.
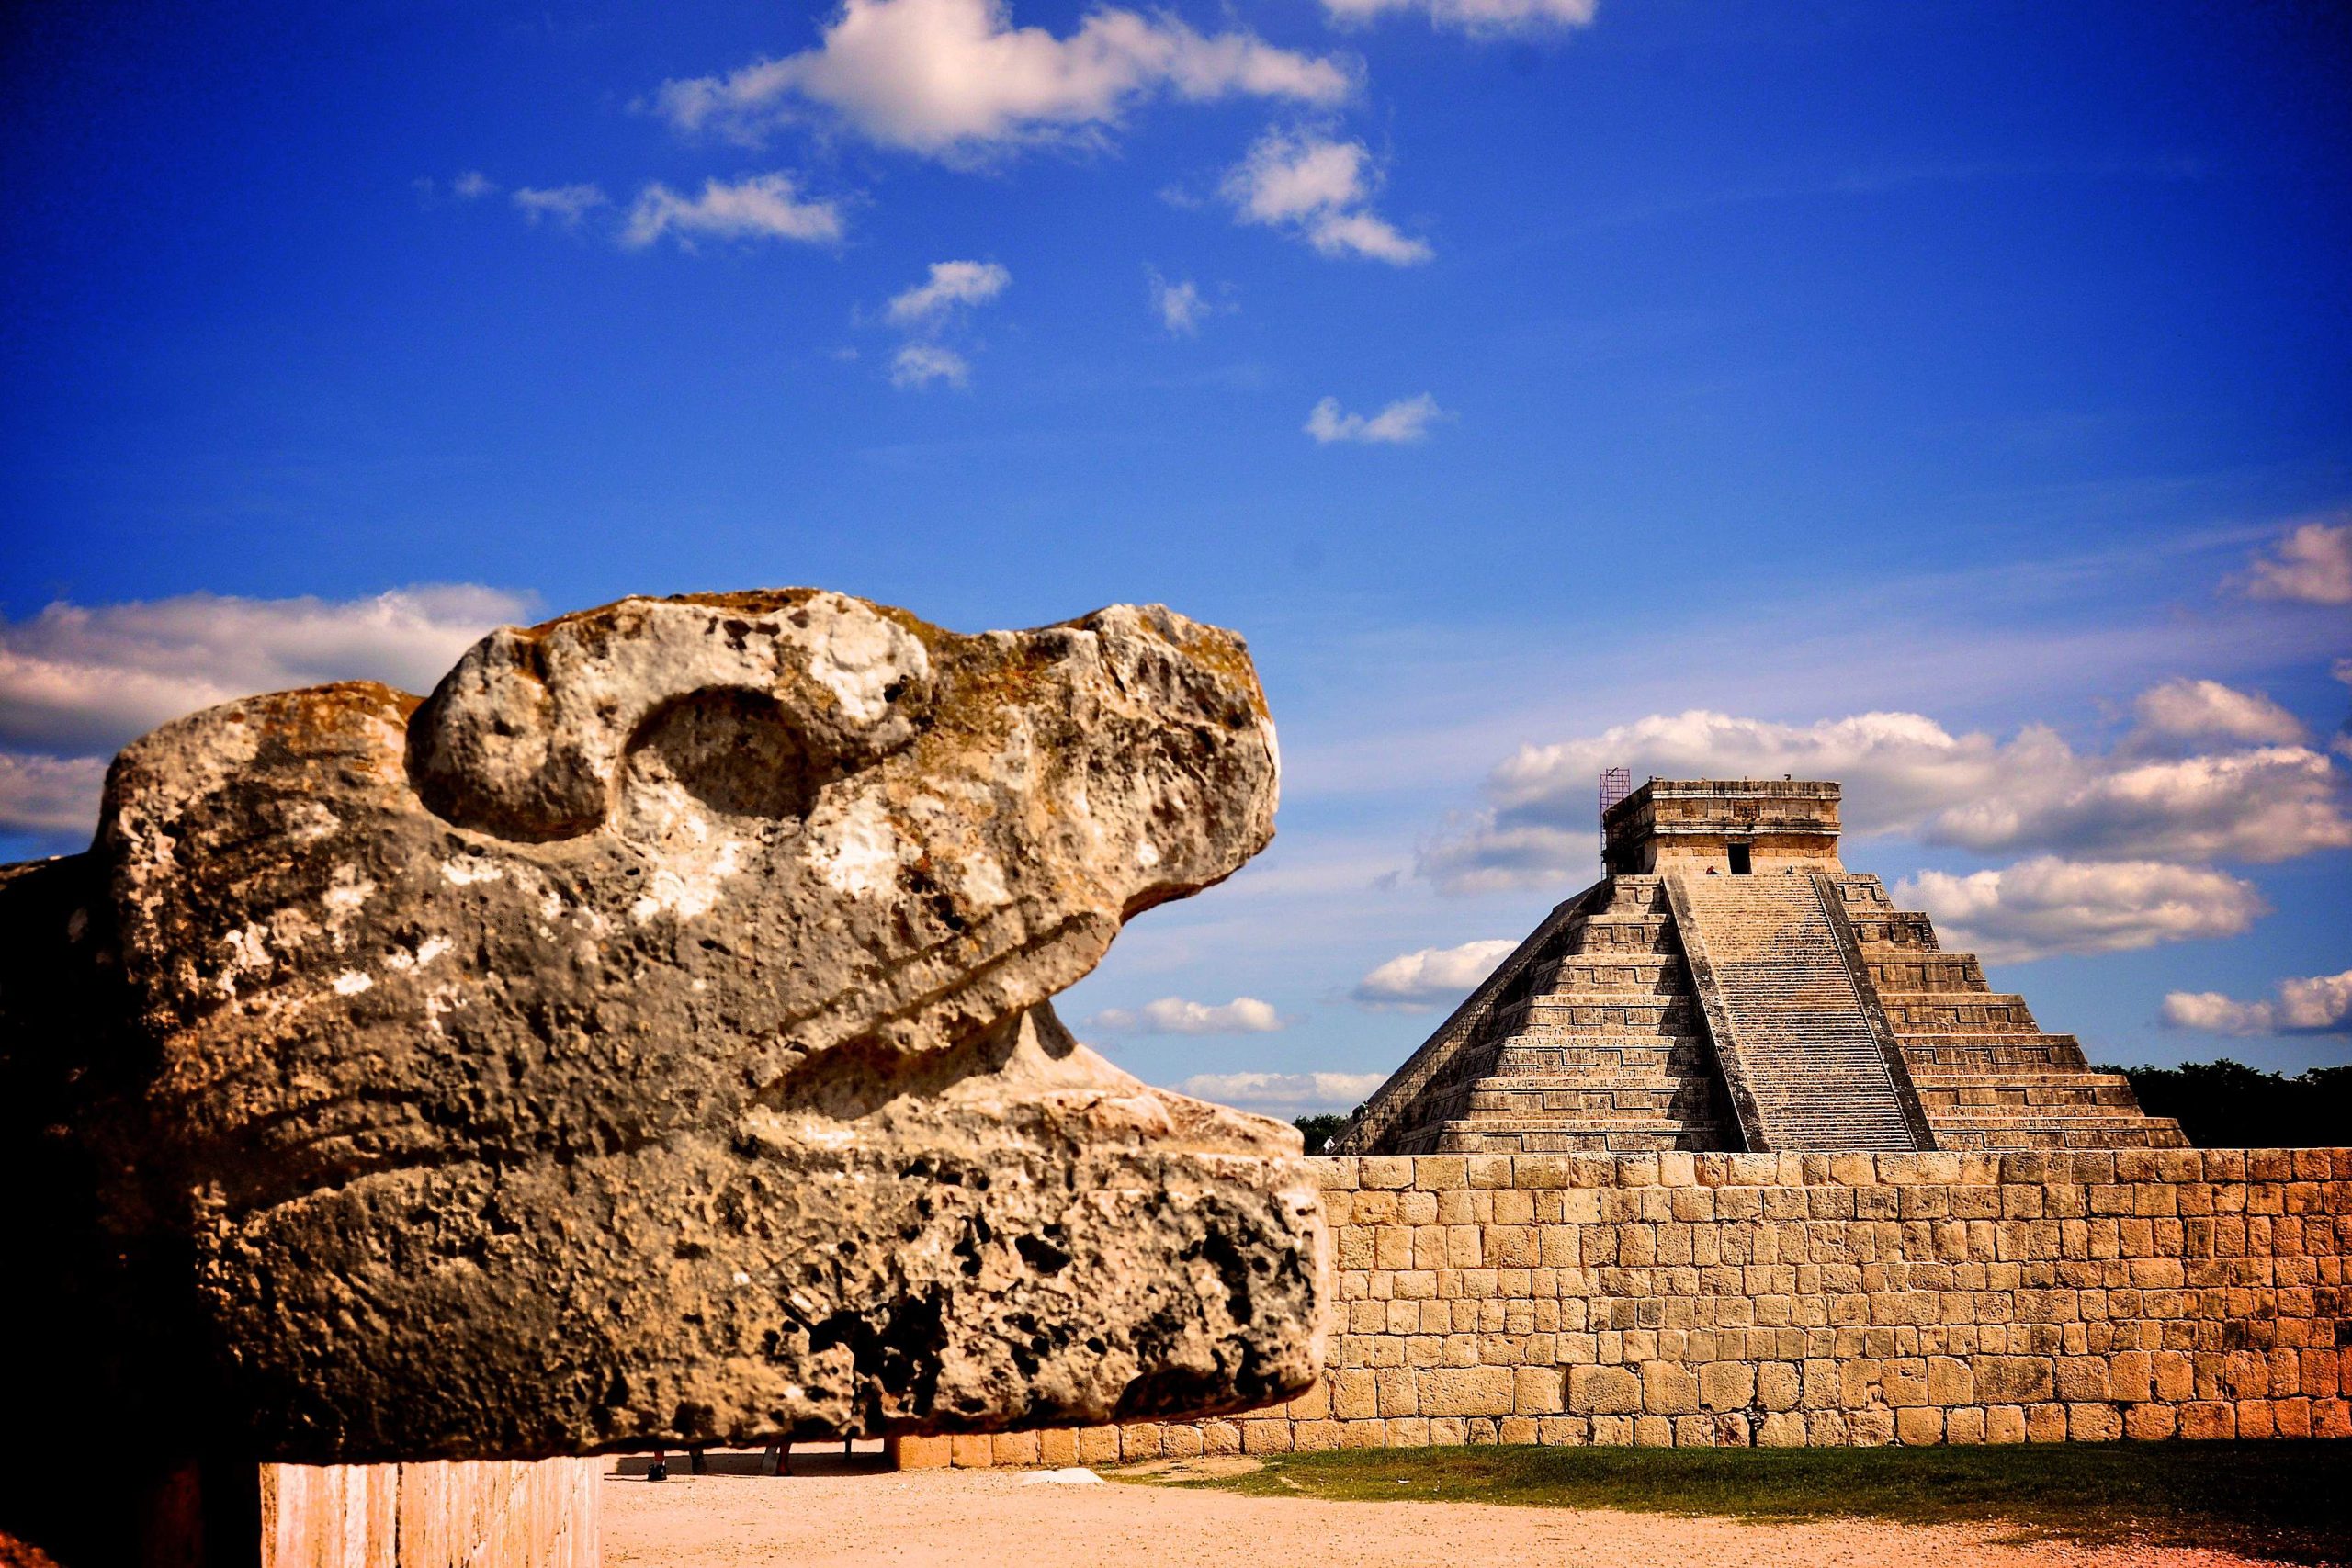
point(645, 1038)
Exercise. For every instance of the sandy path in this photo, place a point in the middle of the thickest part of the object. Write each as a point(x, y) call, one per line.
point(985, 1519)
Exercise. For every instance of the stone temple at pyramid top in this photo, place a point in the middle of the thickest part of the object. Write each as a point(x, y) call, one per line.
point(1729, 984)
point(1733, 827)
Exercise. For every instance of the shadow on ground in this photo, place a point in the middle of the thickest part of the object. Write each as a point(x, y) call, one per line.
point(807, 1460)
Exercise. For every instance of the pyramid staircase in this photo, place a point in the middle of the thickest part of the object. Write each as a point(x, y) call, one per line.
point(1809, 1061)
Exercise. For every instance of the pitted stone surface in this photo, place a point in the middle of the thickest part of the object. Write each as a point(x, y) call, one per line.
point(645, 1038)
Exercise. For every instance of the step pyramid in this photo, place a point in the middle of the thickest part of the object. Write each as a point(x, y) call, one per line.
point(1700, 998)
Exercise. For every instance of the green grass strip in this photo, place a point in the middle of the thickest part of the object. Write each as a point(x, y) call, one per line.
point(2291, 1501)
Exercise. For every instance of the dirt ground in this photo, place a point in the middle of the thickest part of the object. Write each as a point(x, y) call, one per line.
point(852, 1513)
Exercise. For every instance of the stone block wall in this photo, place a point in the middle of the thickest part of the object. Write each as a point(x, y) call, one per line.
point(487, 1514)
point(1787, 1300)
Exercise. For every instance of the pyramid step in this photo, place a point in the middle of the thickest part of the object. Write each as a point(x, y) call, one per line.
point(1943, 1055)
point(1902, 969)
point(1621, 1014)
point(1586, 1061)
point(1984, 1013)
point(1902, 929)
point(2136, 1132)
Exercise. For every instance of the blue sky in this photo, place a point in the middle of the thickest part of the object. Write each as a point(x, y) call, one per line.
point(1522, 377)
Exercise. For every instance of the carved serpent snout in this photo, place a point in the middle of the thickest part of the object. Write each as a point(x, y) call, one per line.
point(644, 1038)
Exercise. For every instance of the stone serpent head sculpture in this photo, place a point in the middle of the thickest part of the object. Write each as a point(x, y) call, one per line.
point(645, 1038)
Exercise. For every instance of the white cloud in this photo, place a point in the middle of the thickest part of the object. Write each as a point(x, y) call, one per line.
point(918, 365)
point(1173, 1015)
point(2210, 1012)
point(1406, 420)
point(2319, 1004)
point(1179, 306)
point(49, 794)
point(1415, 980)
point(2313, 563)
point(2268, 803)
point(1471, 16)
point(1285, 1094)
point(759, 207)
point(88, 679)
point(952, 283)
point(954, 79)
point(81, 678)
point(1318, 188)
point(471, 185)
point(565, 205)
point(2187, 710)
point(1905, 774)
point(1488, 856)
point(2045, 905)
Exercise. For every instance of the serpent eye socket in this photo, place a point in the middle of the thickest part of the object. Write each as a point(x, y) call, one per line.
point(717, 759)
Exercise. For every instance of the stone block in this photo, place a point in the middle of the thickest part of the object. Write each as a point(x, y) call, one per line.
point(1097, 1445)
point(1316, 1437)
point(1564, 1431)
point(2093, 1423)
point(1668, 1390)
point(2083, 1378)
point(1779, 1386)
point(1538, 1391)
point(970, 1451)
point(2210, 1418)
point(1869, 1429)
point(1604, 1391)
point(1919, 1425)
point(2014, 1380)
point(1612, 1431)
point(1486, 1172)
point(1441, 1173)
point(1271, 1437)
point(1904, 1382)
point(1727, 1385)
point(922, 1453)
point(1015, 1450)
point(1465, 1391)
